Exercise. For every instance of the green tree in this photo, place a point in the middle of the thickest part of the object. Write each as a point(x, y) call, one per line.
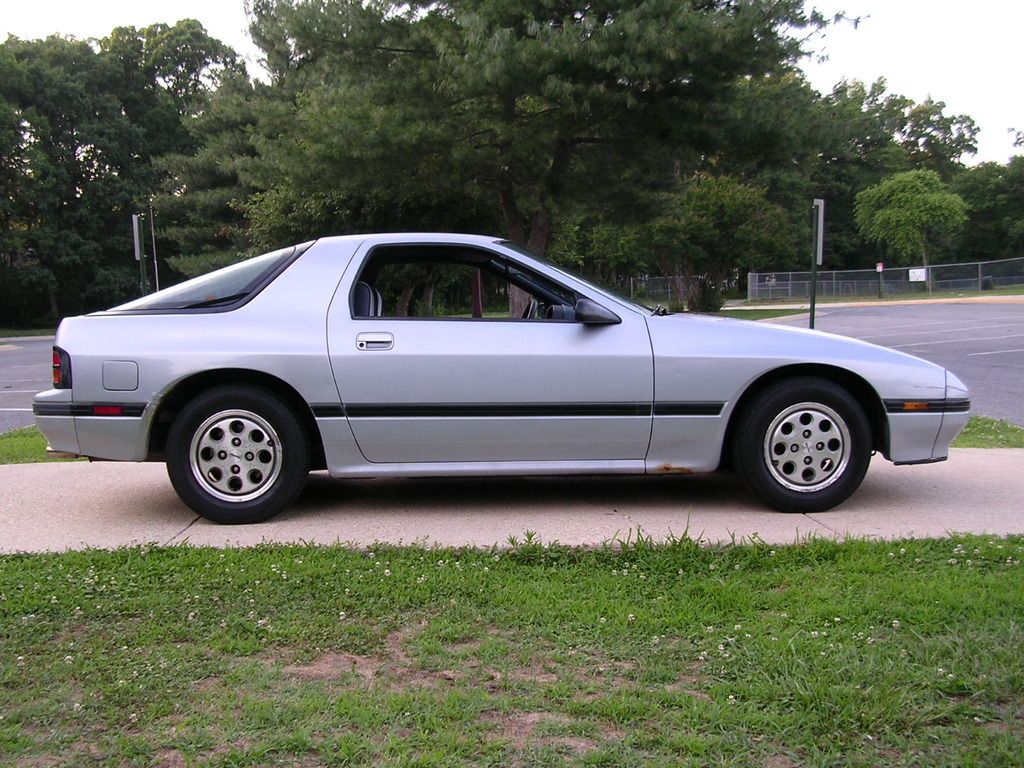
point(78, 155)
point(936, 141)
point(715, 230)
point(910, 213)
point(856, 131)
point(994, 195)
point(80, 126)
point(202, 201)
point(529, 110)
point(780, 135)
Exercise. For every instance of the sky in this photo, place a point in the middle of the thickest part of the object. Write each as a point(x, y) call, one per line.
point(966, 55)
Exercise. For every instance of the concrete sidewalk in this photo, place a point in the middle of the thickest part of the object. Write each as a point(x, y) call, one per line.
point(54, 507)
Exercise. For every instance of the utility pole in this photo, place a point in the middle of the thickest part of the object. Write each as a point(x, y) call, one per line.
point(818, 225)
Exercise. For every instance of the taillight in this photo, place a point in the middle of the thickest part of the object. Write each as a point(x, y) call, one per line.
point(61, 369)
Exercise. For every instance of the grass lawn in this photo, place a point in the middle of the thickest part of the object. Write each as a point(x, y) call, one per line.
point(983, 432)
point(819, 654)
point(15, 332)
point(758, 314)
point(1007, 290)
point(23, 446)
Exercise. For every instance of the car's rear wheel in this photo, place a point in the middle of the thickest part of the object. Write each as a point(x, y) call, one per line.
point(237, 454)
point(802, 445)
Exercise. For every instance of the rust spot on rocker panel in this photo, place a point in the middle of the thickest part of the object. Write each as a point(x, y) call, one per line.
point(668, 469)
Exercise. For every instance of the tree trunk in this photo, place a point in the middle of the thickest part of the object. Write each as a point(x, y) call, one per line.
point(477, 293)
point(427, 308)
point(402, 310)
point(540, 233)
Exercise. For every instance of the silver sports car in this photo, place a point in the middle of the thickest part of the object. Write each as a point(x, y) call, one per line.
point(429, 354)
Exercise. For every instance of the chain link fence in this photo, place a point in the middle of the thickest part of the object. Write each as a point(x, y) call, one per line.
point(667, 291)
point(975, 276)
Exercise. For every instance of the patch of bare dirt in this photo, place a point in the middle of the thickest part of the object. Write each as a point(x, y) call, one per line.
point(519, 727)
point(612, 670)
point(396, 641)
point(333, 665)
point(206, 684)
point(397, 670)
point(469, 646)
point(537, 673)
point(170, 758)
point(394, 667)
point(577, 744)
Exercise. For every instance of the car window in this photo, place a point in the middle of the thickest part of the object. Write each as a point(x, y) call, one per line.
point(616, 292)
point(444, 282)
point(223, 287)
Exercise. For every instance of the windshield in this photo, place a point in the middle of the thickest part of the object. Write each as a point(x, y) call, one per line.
point(220, 288)
point(569, 273)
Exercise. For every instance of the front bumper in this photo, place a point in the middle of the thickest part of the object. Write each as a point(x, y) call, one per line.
point(920, 431)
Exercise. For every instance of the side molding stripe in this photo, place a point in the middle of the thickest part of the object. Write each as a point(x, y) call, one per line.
point(510, 410)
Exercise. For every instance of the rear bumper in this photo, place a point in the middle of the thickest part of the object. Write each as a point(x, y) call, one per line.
point(116, 431)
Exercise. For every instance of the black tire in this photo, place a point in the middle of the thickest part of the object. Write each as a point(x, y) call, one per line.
point(802, 445)
point(237, 454)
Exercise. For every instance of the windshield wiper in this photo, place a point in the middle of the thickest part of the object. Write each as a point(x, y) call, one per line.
point(659, 311)
point(217, 302)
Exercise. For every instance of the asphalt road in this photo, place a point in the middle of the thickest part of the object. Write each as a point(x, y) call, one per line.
point(24, 370)
point(983, 344)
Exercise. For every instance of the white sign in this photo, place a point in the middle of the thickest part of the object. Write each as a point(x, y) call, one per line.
point(136, 235)
point(918, 275)
point(879, 267)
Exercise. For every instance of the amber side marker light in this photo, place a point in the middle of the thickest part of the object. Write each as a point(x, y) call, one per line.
point(915, 406)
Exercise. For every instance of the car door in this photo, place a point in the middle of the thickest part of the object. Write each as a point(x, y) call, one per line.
point(473, 384)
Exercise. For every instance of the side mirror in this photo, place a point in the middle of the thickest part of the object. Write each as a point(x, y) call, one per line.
point(591, 313)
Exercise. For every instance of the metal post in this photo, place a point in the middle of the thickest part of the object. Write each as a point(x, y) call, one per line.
point(152, 233)
point(819, 241)
point(136, 233)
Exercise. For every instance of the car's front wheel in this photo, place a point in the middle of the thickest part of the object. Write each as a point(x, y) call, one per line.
point(802, 445)
point(237, 454)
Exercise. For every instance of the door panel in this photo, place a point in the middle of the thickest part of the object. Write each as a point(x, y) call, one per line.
point(441, 354)
point(492, 390)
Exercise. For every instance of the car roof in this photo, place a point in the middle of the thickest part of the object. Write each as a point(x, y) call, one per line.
point(421, 237)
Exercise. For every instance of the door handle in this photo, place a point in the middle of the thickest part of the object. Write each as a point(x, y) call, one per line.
point(371, 342)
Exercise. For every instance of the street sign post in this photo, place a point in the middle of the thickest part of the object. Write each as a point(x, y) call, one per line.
point(137, 235)
point(818, 225)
